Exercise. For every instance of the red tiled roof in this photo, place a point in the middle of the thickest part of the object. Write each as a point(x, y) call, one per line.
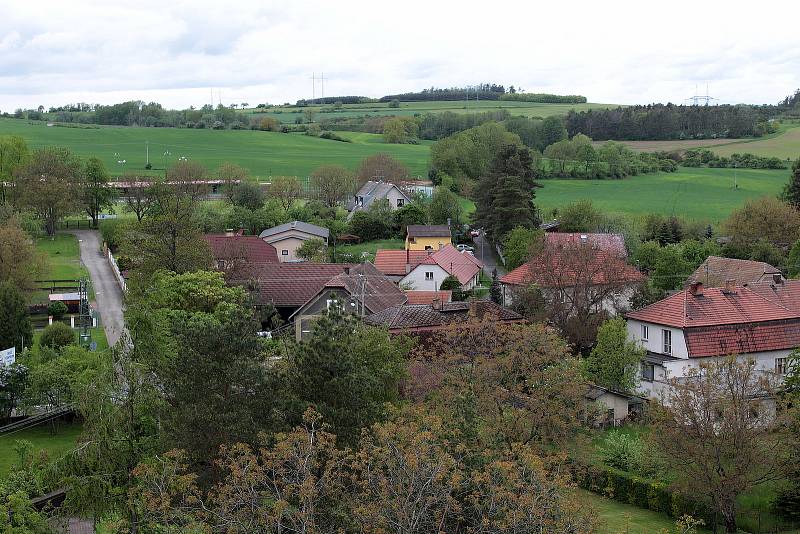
point(293, 284)
point(424, 317)
point(723, 340)
point(714, 307)
point(786, 294)
point(249, 248)
point(716, 270)
point(426, 297)
point(393, 262)
point(462, 265)
point(559, 271)
point(612, 243)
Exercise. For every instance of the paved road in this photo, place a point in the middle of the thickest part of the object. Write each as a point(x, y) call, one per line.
point(485, 252)
point(106, 290)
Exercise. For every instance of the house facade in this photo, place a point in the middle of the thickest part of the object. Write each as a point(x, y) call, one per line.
point(755, 321)
point(358, 290)
point(287, 238)
point(376, 191)
point(421, 270)
point(427, 237)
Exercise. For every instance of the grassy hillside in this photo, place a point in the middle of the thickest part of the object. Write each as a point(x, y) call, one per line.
point(288, 114)
point(699, 194)
point(264, 153)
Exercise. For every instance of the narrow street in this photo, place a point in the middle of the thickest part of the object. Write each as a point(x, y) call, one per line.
point(485, 252)
point(107, 292)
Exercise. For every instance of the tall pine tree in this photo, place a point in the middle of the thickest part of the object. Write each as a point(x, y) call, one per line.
point(505, 195)
point(791, 193)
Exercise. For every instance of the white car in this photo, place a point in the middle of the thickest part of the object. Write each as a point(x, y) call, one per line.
point(465, 248)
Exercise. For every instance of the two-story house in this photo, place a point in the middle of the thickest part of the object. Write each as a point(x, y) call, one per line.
point(425, 270)
point(759, 321)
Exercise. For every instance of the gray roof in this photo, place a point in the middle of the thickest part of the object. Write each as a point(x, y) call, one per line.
point(428, 230)
point(372, 190)
point(308, 228)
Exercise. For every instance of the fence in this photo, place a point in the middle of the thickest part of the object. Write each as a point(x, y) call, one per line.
point(115, 269)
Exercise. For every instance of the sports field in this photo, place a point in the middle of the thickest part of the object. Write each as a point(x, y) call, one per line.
point(699, 194)
point(263, 153)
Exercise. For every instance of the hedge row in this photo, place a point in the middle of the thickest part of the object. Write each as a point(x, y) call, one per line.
point(630, 489)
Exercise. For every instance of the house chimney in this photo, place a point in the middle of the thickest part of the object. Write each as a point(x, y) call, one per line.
point(448, 222)
point(436, 304)
point(730, 286)
point(229, 232)
point(584, 238)
point(696, 288)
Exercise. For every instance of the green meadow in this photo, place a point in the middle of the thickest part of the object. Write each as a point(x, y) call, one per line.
point(694, 193)
point(288, 114)
point(263, 153)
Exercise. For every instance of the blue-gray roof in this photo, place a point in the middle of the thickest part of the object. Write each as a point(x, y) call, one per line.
point(308, 228)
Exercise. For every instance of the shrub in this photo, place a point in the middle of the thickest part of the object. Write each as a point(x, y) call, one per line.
point(56, 336)
point(57, 309)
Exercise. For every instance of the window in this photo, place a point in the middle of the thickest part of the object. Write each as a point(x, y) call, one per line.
point(780, 366)
point(284, 252)
point(428, 275)
point(331, 303)
point(667, 334)
point(428, 247)
point(400, 202)
point(645, 333)
point(648, 371)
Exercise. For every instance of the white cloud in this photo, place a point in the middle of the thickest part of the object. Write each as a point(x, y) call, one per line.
point(54, 52)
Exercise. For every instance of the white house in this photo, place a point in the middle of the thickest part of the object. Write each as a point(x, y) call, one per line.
point(759, 321)
point(374, 191)
point(425, 270)
point(287, 238)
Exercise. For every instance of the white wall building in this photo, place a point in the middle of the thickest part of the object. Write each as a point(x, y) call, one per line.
point(756, 321)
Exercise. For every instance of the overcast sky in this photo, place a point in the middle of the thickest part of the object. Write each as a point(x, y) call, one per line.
point(175, 52)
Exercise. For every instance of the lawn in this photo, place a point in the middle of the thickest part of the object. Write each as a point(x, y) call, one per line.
point(617, 517)
point(370, 247)
point(42, 438)
point(265, 154)
point(63, 257)
point(785, 145)
point(699, 194)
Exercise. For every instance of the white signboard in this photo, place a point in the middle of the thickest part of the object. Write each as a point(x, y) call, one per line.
point(8, 356)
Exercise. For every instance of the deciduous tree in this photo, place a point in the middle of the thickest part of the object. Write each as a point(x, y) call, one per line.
point(614, 360)
point(15, 324)
point(47, 185)
point(332, 184)
point(381, 167)
point(285, 189)
point(95, 194)
point(721, 432)
point(20, 263)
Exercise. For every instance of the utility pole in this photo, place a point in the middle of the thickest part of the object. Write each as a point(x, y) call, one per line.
point(147, 152)
point(313, 87)
point(322, 83)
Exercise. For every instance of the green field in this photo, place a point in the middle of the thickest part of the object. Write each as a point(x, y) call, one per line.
point(63, 257)
point(616, 517)
point(56, 444)
point(263, 153)
point(288, 114)
point(785, 145)
point(698, 194)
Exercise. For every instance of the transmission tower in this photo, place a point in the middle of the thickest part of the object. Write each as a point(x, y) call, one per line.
point(699, 99)
point(85, 313)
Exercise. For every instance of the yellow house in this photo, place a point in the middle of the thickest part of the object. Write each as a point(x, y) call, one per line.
point(427, 237)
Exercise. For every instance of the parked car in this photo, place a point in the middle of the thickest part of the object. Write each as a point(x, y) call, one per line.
point(465, 248)
point(475, 233)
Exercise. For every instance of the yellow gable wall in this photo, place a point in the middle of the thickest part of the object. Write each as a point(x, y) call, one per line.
point(419, 243)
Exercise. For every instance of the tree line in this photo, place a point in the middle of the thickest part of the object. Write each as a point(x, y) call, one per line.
point(668, 121)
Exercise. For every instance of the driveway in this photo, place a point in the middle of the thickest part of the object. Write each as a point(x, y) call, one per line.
point(485, 252)
point(107, 292)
